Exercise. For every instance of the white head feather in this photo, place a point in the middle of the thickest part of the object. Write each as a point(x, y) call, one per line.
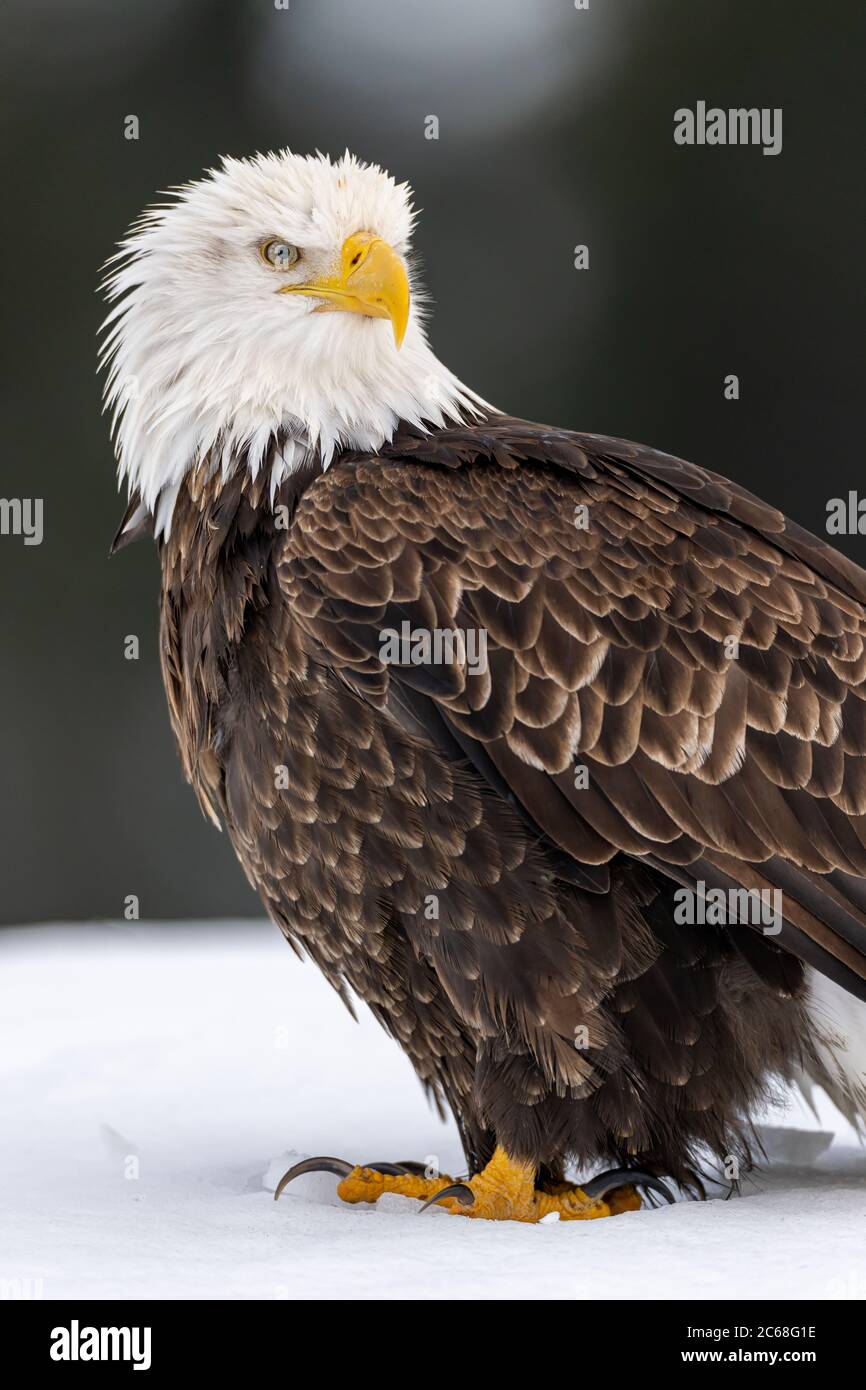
point(206, 359)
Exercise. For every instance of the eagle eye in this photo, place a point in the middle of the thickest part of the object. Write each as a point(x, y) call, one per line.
point(279, 255)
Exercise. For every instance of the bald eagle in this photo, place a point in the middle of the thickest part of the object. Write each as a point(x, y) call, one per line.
point(548, 746)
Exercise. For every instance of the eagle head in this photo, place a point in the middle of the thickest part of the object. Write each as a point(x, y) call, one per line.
point(272, 300)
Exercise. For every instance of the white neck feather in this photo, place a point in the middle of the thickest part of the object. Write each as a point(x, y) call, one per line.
point(174, 402)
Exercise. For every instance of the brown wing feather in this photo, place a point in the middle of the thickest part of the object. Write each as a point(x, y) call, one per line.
point(701, 656)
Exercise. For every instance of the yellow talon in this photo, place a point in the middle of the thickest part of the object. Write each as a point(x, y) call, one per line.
point(368, 1185)
point(623, 1199)
point(503, 1191)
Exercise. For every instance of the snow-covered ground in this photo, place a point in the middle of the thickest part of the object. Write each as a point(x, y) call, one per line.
point(156, 1080)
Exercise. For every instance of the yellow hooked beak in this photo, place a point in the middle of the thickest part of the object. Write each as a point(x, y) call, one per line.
point(372, 280)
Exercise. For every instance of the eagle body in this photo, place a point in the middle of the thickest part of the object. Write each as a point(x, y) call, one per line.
point(418, 831)
point(590, 838)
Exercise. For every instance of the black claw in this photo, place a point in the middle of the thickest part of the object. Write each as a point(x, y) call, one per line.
point(464, 1195)
point(338, 1166)
point(605, 1183)
point(652, 1185)
point(402, 1168)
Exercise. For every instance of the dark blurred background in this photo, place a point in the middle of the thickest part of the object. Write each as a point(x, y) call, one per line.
point(556, 128)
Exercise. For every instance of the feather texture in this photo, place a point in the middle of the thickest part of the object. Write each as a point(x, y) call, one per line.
point(488, 851)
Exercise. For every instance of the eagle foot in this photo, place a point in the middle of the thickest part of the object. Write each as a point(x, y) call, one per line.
point(368, 1182)
point(503, 1191)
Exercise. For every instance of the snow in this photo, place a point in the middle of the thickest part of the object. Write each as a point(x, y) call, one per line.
point(156, 1080)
